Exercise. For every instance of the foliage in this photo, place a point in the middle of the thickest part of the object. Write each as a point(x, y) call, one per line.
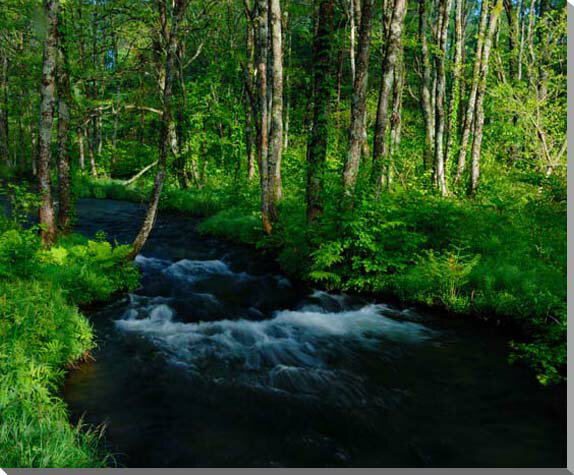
point(42, 332)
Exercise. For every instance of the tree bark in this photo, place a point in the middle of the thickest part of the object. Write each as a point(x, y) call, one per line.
point(359, 99)
point(439, 148)
point(391, 56)
point(276, 131)
point(426, 88)
point(170, 34)
point(4, 131)
point(396, 122)
point(470, 106)
point(250, 106)
point(479, 118)
point(322, 86)
point(82, 159)
point(455, 94)
point(64, 102)
point(262, 54)
point(46, 210)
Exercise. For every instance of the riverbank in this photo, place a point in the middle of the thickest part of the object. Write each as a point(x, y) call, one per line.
point(42, 334)
point(502, 260)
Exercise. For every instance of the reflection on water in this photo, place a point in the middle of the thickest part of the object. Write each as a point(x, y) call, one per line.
point(219, 360)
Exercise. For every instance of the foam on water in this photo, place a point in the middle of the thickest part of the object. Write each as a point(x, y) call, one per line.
point(290, 352)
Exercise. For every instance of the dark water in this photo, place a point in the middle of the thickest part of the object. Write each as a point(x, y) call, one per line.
point(219, 360)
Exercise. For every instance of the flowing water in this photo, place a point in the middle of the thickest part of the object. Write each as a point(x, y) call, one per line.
point(219, 360)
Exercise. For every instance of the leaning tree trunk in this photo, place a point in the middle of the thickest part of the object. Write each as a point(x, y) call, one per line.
point(171, 36)
point(46, 210)
point(470, 107)
point(323, 84)
point(393, 50)
point(479, 118)
point(276, 130)
point(359, 100)
point(64, 100)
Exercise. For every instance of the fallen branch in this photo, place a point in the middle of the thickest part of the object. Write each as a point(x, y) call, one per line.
point(140, 173)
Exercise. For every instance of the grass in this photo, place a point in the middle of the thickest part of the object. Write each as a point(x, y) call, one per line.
point(42, 333)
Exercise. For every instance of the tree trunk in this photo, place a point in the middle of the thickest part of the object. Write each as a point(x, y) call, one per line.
point(82, 159)
point(439, 148)
point(322, 86)
point(46, 210)
point(64, 101)
point(470, 107)
point(455, 94)
point(4, 134)
point(479, 118)
point(392, 53)
point(171, 39)
point(396, 122)
point(426, 103)
point(262, 53)
point(359, 100)
point(249, 99)
point(276, 132)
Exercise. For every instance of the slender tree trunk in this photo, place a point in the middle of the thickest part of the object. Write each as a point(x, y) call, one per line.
point(46, 210)
point(352, 36)
point(396, 121)
point(287, 87)
point(4, 134)
point(276, 132)
point(392, 53)
point(64, 101)
point(92, 156)
point(82, 159)
point(171, 37)
point(322, 86)
point(470, 107)
point(442, 36)
point(262, 53)
point(479, 118)
point(426, 88)
point(250, 106)
point(455, 95)
point(359, 100)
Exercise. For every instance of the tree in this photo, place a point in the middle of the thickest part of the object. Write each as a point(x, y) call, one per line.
point(276, 129)
point(425, 86)
point(322, 90)
point(391, 57)
point(358, 100)
point(481, 90)
point(46, 209)
point(444, 8)
point(471, 103)
point(64, 101)
point(170, 16)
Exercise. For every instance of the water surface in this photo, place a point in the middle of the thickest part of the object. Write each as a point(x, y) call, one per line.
point(220, 360)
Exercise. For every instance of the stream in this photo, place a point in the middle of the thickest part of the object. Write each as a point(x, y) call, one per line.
point(219, 360)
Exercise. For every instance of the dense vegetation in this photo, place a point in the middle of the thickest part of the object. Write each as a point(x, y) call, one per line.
point(414, 149)
point(42, 332)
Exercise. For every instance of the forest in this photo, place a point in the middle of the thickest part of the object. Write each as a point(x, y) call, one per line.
point(406, 152)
